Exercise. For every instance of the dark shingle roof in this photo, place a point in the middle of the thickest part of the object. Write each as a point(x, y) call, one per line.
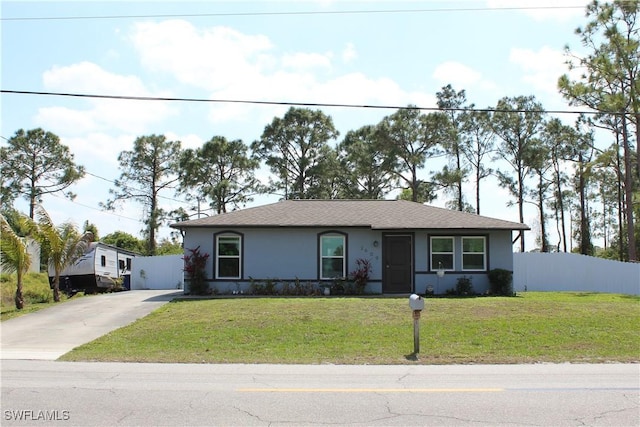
point(375, 214)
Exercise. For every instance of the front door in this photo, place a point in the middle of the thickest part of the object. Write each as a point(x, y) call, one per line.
point(397, 258)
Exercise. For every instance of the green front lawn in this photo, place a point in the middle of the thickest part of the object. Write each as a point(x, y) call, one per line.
point(529, 328)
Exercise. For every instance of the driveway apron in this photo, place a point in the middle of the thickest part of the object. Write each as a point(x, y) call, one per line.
point(48, 334)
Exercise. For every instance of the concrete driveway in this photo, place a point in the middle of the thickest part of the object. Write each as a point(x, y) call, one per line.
point(48, 334)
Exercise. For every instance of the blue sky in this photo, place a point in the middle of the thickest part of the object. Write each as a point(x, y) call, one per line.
point(264, 51)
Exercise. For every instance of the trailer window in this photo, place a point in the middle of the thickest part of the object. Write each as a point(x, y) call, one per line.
point(103, 261)
point(128, 263)
point(121, 264)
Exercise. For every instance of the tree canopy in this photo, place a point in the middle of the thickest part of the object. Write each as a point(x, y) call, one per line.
point(147, 170)
point(221, 172)
point(294, 147)
point(36, 163)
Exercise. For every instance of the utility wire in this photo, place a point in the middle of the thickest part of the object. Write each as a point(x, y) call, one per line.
point(136, 189)
point(94, 208)
point(331, 12)
point(300, 104)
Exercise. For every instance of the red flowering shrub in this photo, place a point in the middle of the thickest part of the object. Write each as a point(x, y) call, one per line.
point(360, 275)
point(194, 265)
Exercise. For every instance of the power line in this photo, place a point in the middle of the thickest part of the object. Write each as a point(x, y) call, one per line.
point(299, 104)
point(299, 13)
point(94, 208)
point(136, 189)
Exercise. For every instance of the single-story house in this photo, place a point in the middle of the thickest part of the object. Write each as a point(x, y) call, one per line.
point(406, 243)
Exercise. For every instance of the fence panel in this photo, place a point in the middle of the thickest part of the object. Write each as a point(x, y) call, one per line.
point(157, 272)
point(572, 272)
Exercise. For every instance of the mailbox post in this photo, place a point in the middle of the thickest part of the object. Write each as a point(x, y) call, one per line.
point(416, 303)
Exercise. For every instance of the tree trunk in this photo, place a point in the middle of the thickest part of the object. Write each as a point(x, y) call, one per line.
point(560, 200)
point(628, 190)
point(544, 245)
point(414, 184)
point(56, 288)
point(521, 205)
point(478, 191)
point(153, 221)
point(621, 254)
point(585, 234)
point(638, 146)
point(19, 299)
point(459, 182)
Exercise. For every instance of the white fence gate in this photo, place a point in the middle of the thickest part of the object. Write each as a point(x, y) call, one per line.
point(571, 272)
point(157, 272)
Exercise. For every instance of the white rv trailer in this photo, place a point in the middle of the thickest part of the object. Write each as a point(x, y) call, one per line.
point(97, 270)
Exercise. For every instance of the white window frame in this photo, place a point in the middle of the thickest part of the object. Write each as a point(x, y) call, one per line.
point(343, 257)
point(238, 257)
point(452, 253)
point(484, 253)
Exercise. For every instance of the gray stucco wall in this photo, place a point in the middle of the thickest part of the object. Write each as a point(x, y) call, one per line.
point(289, 254)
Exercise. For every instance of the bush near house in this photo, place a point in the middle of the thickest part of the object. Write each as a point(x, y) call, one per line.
point(194, 265)
point(501, 282)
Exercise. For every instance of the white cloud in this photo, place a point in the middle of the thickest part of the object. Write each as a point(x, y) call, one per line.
point(98, 152)
point(460, 75)
point(306, 61)
point(541, 10)
point(103, 114)
point(87, 77)
point(189, 140)
point(211, 59)
point(349, 53)
point(542, 68)
point(63, 118)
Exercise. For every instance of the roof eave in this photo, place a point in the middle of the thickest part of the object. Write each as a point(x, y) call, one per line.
point(515, 227)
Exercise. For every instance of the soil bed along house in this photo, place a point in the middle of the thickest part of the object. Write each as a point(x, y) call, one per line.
point(409, 247)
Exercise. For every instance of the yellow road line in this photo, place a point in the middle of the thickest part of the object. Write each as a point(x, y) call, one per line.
point(370, 390)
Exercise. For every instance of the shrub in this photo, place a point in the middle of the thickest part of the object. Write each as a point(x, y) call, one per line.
point(360, 275)
point(501, 282)
point(337, 287)
point(270, 286)
point(194, 265)
point(464, 286)
point(32, 296)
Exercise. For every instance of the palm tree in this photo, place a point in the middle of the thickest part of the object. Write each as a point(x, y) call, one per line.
point(66, 245)
point(14, 254)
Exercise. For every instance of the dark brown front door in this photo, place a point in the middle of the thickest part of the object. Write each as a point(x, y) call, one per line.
point(397, 264)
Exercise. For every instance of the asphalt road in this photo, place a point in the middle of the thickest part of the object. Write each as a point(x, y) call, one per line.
point(48, 334)
point(118, 394)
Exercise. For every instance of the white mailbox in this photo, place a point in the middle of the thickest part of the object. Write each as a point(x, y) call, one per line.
point(416, 302)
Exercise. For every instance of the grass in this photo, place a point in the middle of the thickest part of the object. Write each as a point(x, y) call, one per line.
point(36, 292)
point(534, 327)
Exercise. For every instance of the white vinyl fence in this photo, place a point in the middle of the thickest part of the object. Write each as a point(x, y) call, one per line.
point(157, 272)
point(571, 272)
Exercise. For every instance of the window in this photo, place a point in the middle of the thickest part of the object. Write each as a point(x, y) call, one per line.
point(128, 263)
point(332, 256)
point(121, 264)
point(473, 253)
point(228, 252)
point(103, 261)
point(442, 253)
